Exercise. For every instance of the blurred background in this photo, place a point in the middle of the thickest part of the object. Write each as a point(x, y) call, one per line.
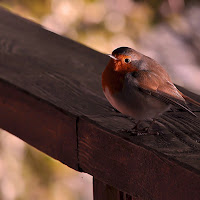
point(167, 30)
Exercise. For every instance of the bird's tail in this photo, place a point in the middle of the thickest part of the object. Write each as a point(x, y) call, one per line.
point(188, 99)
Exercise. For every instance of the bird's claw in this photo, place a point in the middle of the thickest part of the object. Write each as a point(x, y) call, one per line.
point(136, 132)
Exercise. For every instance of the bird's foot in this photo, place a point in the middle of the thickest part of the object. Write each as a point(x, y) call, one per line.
point(149, 131)
point(137, 130)
point(129, 131)
point(145, 131)
point(142, 132)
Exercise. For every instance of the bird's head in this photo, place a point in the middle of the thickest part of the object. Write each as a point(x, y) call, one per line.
point(125, 59)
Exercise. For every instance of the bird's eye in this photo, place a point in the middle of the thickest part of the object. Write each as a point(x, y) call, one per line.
point(127, 60)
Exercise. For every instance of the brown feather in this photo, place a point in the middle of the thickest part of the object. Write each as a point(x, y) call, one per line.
point(188, 99)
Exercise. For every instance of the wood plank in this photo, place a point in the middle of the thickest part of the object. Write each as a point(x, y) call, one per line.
point(39, 124)
point(57, 81)
point(104, 191)
point(137, 170)
point(67, 75)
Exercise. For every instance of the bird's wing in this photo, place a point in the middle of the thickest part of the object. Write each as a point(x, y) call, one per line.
point(168, 99)
point(160, 88)
point(188, 99)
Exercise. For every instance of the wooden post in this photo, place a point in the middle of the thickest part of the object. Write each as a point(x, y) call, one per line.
point(102, 191)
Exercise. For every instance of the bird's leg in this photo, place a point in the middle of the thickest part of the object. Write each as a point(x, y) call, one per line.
point(143, 131)
point(136, 125)
point(149, 129)
point(151, 125)
point(133, 130)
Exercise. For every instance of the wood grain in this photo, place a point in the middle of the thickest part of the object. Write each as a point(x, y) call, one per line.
point(104, 191)
point(39, 124)
point(49, 82)
point(137, 170)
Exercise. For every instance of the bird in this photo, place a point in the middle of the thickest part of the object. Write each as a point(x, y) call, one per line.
point(139, 87)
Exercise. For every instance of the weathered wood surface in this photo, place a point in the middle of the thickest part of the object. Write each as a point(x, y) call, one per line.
point(106, 192)
point(51, 97)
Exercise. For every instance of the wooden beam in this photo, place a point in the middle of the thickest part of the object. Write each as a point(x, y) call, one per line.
point(137, 170)
point(105, 192)
point(39, 124)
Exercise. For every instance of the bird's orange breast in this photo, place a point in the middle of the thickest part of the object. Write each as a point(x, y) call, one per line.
point(113, 76)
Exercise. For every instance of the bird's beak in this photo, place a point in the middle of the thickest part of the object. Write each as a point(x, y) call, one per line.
point(113, 57)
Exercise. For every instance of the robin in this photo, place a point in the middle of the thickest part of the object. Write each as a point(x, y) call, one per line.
point(137, 86)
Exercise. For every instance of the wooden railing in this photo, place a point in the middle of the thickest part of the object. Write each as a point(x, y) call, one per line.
point(51, 98)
